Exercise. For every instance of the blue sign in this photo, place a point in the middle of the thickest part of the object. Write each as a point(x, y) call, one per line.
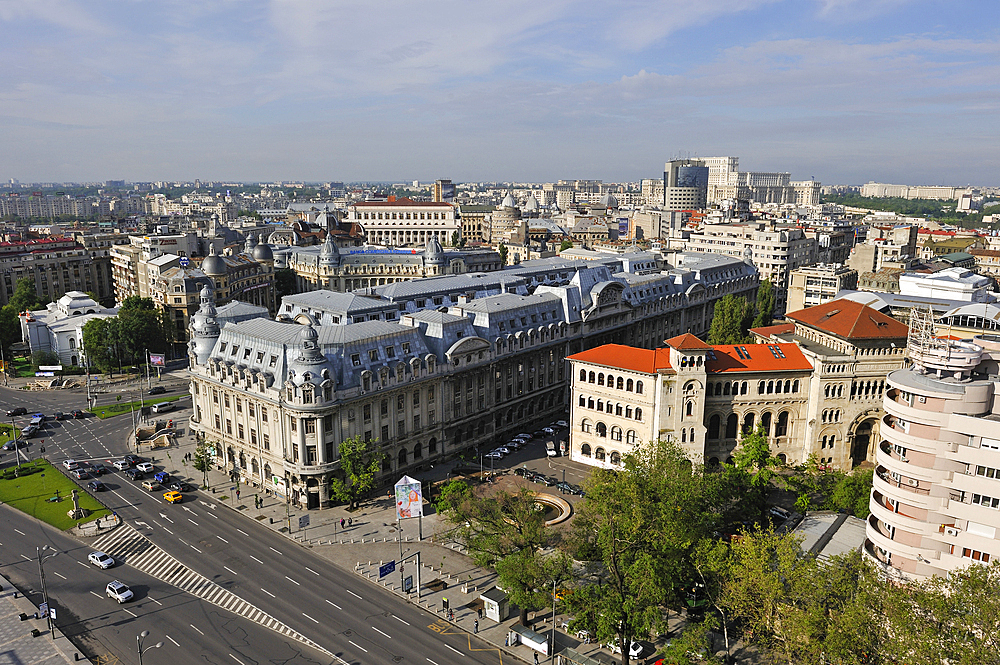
point(386, 569)
point(384, 251)
point(185, 262)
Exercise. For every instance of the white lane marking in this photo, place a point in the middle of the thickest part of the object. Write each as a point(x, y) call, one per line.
point(309, 617)
point(27, 558)
point(196, 628)
point(354, 594)
point(268, 592)
point(231, 570)
point(455, 650)
point(291, 580)
point(79, 562)
point(256, 559)
point(334, 604)
point(192, 521)
point(55, 573)
point(311, 570)
point(133, 614)
point(20, 532)
point(97, 594)
point(243, 532)
point(236, 659)
point(400, 620)
point(274, 550)
point(172, 640)
point(379, 631)
point(360, 647)
point(223, 539)
point(168, 531)
point(428, 660)
point(168, 519)
point(154, 600)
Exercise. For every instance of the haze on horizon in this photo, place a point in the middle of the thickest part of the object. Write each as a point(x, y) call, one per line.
point(848, 91)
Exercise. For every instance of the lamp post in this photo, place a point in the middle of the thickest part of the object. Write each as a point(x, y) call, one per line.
point(138, 641)
point(41, 575)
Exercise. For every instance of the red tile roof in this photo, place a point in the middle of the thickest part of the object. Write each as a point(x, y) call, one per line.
point(686, 342)
point(779, 329)
point(404, 201)
point(848, 319)
point(756, 358)
point(631, 358)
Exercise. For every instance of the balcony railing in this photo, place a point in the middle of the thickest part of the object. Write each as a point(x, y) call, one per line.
point(886, 478)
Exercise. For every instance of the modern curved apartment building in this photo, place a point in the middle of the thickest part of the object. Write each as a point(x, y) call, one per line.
point(935, 503)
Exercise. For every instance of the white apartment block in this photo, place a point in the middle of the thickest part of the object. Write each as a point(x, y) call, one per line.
point(404, 222)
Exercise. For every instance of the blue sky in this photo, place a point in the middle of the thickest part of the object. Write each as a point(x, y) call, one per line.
point(902, 91)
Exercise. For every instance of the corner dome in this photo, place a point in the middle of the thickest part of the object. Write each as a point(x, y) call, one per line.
point(508, 201)
point(434, 252)
point(213, 264)
point(262, 252)
point(329, 254)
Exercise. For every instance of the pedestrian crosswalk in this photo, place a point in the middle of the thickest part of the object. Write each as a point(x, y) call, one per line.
point(128, 545)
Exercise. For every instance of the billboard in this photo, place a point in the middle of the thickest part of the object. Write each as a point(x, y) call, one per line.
point(622, 227)
point(409, 498)
point(157, 359)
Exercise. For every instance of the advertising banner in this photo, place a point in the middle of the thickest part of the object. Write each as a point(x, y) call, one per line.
point(157, 359)
point(409, 499)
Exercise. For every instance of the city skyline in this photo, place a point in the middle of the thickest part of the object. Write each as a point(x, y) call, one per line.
point(842, 90)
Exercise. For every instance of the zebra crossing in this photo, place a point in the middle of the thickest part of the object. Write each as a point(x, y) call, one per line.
point(128, 545)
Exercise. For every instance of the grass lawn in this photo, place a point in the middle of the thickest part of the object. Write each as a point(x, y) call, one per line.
point(5, 431)
point(23, 367)
point(29, 493)
point(118, 408)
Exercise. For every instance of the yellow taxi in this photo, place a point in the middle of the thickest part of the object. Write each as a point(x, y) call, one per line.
point(173, 497)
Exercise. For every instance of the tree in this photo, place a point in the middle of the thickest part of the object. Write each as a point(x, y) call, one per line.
point(566, 244)
point(284, 282)
point(39, 358)
point(457, 240)
point(506, 531)
point(752, 468)
point(139, 328)
point(503, 254)
point(99, 338)
point(25, 299)
point(360, 461)
point(765, 304)
point(730, 320)
point(10, 329)
point(645, 520)
point(202, 461)
point(453, 495)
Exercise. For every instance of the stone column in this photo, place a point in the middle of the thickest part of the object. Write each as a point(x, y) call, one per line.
point(320, 443)
point(324, 491)
point(300, 440)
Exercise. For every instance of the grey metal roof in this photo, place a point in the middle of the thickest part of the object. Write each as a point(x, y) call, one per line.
point(335, 301)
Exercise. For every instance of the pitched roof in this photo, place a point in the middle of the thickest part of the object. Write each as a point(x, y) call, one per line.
point(848, 319)
point(756, 358)
point(778, 329)
point(686, 342)
point(620, 356)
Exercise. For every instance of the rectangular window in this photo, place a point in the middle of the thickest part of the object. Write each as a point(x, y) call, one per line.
point(215, 396)
point(416, 422)
point(987, 471)
point(373, 355)
point(229, 426)
point(987, 501)
point(263, 415)
point(400, 403)
point(390, 352)
point(430, 394)
point(225, 397)
point(218, 422)
point(400, 428)
point(356, 359)
point(239, 430)
point(430, 417)
point(267, 441)
point(416, 399)
point(384, 408)
point(385, 433)
point(310, 425)
point(328, 422)
point(239, 405)
point(273, 361)
point(250, 409)
point(293, 423)
point(253, 436)
point(367, 411)
point(406, 347)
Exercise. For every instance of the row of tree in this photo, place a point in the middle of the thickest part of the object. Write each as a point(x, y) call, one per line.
point(649, 541)
point(734, 316)
point(123, 340)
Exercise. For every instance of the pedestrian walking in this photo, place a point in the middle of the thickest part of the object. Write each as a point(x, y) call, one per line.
point(480, 610)
point(350, 521)
point(342, 522)
point(506, 640)
point(536, 658)
point(475, 627)
point(237, 495)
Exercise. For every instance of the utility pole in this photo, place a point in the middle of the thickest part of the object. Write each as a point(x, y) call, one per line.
point(45, 596)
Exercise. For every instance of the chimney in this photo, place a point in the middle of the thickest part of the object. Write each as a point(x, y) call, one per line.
point(392, 198)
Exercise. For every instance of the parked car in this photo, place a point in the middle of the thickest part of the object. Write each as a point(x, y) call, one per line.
point(101, 560)
point(548, 430)
point(565, 487)
point(521, 471)
point(119, 591)
point(513, 444)
point(18, 443)
point(157, 390)
point(503, 450)
point(121, 464)
point(562, 423)
point(173, 497)
point(635, 649)
point(96, 486)
point(17, 411)
point(80, 474)
point(493, 455)
point(577, 490)
point(178, 486)
point(545, 480)
point(537, 434)
point(134, 474)
point(522, 435)
point(779, 512)
point(29, 431)
point(59, 415)
point(145, 467)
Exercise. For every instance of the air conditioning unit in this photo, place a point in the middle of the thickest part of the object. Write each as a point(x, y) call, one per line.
point(912, 482)
point(922, 399)
point(951, 531)
point(904, 459)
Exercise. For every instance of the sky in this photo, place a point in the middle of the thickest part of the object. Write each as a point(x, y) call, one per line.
point(846, 91)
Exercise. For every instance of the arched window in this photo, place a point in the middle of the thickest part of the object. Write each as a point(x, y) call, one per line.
point(725, 389)
point(601, 430)
point(585, 450)
point(638, 387)
point(781, 427)
point(402, 457)
point(616, 458)
point(585, 426)
point(630, 437)
point(732, 423)
point(770, 387)
point(746, 389)
point(618, 409)
point(600, 379)
point(765, 420)
point(583, 401)
point(417, 452)
point(599, 454)
point(684, 436)
point(628, 385)
point(611, 381)
point(600, 405)
point(590, 402)
point(748, 423)
point(616, 433)
point(620, 384)
point(760, 388)
point(788, 386)
point(592, 377)
point(638, 413)
point(795, 386)
point(689, 409)
point(713, 427)
point(583, 375)
point(628, 411)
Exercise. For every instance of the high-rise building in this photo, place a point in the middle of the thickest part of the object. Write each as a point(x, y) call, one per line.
point(685, 184)
point(444, 191)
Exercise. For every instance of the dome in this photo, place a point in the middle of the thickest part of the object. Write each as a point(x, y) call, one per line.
point(213, 263)
point(508, 201)
point(329, 254)
point(310, 365)
point(434, 252)
point(609, 201)
point(262, 252)
point(251, 242)
point(531, 205)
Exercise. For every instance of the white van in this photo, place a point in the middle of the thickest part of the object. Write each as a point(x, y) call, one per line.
point(163, 407)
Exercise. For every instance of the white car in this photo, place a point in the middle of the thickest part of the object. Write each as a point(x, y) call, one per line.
point(119, 591)
point(562, 423)
point(145, 467)
point(634, 651)
point(121, 464)
point(548, 430)
point(493, 455)
point(70, 464)
point(526, 437)
point(101, 560)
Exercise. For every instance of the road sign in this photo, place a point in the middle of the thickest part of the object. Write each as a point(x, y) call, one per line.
point(303, 521)
point(386, 569)
point(43, 609)
point(50, 368)
point(52, 613)
point(408, 584)
point(185, 262)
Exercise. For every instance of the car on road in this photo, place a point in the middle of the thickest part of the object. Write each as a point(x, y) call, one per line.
point(98, 469)
point(134, 474)
point(779, 512)
point(59, 415)
point(635, 649)
point(78, 414)
point(145, 467)
point(504, 450)
point(96, 486)
point(157, 390)
point(70, 464)
point(119, 591)
point(537, 434)
point(522, 471)
point(563, 486)
point(150, 485)
point(80, 474)
point(545, 480)
point(548, 430)
point(133, 459)
point(513, 444)
point(161, 477)
point(562, 423)
point(29, 431)
point(173, 497)
point(18, 411)
point(19, 443)
point(121, 464)
point(523, 435)
point(101, 560)
point(493, 455)
point(178, 486)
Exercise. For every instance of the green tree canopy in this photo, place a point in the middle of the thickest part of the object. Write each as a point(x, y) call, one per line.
point(503, 254)
point(565, 244)
point(730, 321)
point(765, 304)
point(25, 299)
point(360, 461)
point(99, 340)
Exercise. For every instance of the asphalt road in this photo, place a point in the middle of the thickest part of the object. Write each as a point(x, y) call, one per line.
point(338, 610)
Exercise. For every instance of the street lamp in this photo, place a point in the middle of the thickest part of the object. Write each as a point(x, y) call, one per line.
point(138, 641)
point(41, 575)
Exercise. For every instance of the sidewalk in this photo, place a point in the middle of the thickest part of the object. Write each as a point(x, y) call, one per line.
point(371, 540)
point(20, 644)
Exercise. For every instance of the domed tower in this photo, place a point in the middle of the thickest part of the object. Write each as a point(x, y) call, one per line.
point(505, 219)
point(310, 366)
point(262, 253)
point(251, 242)
point(329, 255)
point(609, 202)
point(213, 265)
point(434, 256)
point(531, 207)
point(204, 329)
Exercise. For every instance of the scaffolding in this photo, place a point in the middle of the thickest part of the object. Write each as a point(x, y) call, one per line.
point(921, 338)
